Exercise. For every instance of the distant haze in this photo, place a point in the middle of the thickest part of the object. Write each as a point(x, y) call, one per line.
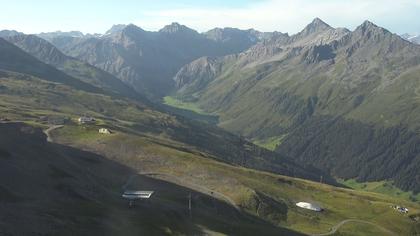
point(265, 15)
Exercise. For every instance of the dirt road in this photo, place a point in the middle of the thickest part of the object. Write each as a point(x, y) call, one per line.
point(336, 227)
point(48, 132)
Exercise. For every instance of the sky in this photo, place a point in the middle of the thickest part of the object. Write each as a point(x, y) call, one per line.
point(97, 16)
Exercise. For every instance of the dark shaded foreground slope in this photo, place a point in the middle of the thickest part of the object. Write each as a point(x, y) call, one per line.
point(50, 189)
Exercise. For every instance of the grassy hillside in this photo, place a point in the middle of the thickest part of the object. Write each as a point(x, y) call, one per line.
point(267, 196)
point(50, 189)
point(347, 101)
point(141, 140)
point(384, 187)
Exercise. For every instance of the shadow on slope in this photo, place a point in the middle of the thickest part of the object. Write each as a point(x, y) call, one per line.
point(48, 189)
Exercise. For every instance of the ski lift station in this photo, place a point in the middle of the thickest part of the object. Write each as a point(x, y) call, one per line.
point(309, 206)
point(132, 196)
point(135, 195)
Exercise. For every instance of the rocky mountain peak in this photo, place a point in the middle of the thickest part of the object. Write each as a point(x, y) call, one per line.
point(175, 28)
point(132, 28)
point(317, 25)
point(129, 31)
point(369, 27)
point(116, 29)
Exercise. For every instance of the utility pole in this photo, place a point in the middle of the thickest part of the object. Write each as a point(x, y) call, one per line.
point(189, 205)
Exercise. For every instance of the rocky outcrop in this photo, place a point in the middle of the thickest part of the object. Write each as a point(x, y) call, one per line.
point(197, 75)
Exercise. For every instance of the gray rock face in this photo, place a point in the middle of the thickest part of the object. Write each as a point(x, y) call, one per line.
point(51, 35)
point(197, 75)
point(39, 48)
point(412, 38)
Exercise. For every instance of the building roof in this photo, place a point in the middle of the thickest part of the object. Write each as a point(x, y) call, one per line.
point(130, 194)
point(309, 206)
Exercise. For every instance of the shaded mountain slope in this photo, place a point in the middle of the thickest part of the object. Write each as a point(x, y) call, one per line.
point(48, 188)
point(49, 54)
point(13, 58)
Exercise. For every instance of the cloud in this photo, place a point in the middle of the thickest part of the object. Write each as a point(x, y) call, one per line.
point(289, 16)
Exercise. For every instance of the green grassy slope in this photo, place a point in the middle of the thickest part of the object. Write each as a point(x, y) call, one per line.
point(267, 196)
point(50, 189)
point(270, 143)
point(383, 187)
point(170, 101)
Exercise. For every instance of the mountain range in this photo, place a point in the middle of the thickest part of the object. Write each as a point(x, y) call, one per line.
point(148, 60)
point(345, 101)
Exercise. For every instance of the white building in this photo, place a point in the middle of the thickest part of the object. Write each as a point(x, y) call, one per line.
point(401, 209)
point(309, 206)
point(104, 131)
point(85, 119)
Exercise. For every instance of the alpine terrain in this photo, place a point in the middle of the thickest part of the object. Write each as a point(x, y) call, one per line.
point(225, 131)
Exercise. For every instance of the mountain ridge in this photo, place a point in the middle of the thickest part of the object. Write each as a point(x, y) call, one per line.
point(148, 60)
point(49, 54)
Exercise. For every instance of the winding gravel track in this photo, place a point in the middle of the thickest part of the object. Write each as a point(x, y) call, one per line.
point(48, 132)
point(337, 227)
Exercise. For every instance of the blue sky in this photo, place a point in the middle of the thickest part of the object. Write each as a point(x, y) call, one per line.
point(96, 16)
